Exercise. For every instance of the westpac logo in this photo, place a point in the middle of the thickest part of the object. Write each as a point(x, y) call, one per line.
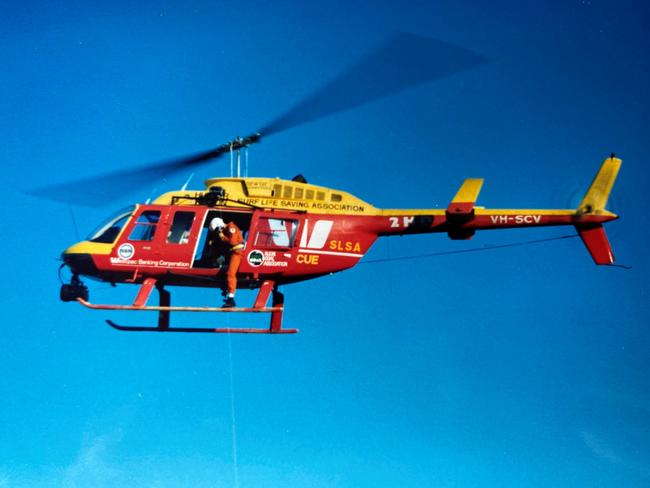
point(125, 251)
point(316, 237)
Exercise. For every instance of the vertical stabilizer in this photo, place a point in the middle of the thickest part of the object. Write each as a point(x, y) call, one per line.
point(593, 234)
point(596, 197)
point(595, 240)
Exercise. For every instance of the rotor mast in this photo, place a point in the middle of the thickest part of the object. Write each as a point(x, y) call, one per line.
point(237, 144)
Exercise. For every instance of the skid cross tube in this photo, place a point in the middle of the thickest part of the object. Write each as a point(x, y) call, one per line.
point(165, 308)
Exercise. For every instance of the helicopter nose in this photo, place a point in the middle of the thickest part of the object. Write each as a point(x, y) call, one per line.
point(79, 263)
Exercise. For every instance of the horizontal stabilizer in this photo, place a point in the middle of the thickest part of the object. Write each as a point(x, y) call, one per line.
point(595, 239)
point(463, 202)
point(468, 191)
point(461, 209)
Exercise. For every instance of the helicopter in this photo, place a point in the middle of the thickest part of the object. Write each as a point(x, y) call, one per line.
point(294, 230)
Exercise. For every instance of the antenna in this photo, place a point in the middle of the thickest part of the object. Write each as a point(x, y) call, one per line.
point(232, 143)
point(238, 163)
point(184, 187)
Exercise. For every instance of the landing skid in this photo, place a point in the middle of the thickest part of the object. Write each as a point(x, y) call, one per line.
point(221, 330)
point(164, 310)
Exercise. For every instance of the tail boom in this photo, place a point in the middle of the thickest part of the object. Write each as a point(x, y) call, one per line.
point(463, 218)
point(511, 218)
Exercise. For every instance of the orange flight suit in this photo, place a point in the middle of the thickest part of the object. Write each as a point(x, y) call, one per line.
point(233, 237)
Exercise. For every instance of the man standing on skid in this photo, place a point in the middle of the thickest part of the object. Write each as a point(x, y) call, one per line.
point(233, 238)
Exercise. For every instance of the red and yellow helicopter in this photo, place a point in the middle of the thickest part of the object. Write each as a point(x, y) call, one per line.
point(293, 230)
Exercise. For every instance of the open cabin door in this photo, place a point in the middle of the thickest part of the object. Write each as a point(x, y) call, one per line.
point(207, 249)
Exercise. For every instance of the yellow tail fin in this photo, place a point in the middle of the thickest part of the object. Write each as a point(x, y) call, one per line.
point(596, 197)
point(469, 190)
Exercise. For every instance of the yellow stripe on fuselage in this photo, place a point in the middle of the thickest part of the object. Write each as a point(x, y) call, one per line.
point(88, 247)
point(479, 211)
point(409, 211)
point(519, 211)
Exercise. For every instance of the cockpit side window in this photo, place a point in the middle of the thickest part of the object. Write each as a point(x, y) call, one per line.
point(108, 231)
point(145, 227)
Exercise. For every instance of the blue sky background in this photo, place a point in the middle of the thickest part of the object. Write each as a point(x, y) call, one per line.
point(525, 366)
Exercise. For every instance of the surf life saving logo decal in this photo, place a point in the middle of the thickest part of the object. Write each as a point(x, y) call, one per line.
point(125, 251)
point(255, 258)
point(267, 258)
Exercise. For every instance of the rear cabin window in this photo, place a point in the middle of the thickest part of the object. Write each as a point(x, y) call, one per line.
point(145, 226)
point(179, 233)
point(275, 232)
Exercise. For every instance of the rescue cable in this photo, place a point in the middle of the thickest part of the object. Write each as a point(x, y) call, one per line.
point(232, 413)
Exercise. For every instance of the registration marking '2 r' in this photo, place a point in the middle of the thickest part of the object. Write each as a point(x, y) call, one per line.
point(396, 222)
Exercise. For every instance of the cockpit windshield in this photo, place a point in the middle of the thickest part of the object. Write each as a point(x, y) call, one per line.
point(108, 231)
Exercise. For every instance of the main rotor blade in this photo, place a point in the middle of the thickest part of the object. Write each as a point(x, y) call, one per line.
point(404, 61)
point(95, 191)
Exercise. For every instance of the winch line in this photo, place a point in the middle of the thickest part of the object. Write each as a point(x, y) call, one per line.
point(232, 414)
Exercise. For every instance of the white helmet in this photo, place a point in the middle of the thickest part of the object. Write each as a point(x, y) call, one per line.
point(217, 223)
